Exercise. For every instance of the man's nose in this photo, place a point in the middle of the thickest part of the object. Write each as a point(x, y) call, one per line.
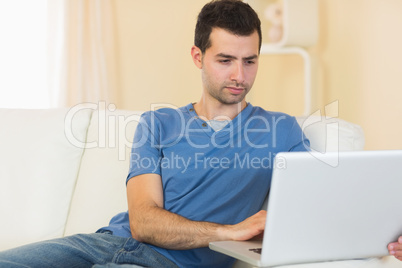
point(238, 73)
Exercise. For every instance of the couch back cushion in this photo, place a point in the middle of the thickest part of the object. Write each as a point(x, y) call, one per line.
point(38, 170)
point(100, 192)
point(328, 134)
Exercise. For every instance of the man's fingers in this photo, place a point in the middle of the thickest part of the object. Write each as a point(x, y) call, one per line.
point(250, 227)
point(394, 246)
point(395, 249)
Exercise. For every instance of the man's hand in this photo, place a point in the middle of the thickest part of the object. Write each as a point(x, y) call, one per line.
point(249, 228)
point(395, 249)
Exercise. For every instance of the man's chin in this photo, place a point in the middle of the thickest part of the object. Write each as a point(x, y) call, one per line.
point(233, 101)
point(228, 98)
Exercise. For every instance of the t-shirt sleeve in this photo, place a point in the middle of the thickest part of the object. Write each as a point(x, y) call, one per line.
point(145, 154)
point(297, 141)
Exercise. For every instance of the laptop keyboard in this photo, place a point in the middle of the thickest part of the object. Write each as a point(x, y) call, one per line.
point(256, 250)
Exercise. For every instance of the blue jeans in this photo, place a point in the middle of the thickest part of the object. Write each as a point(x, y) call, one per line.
point(84, 250)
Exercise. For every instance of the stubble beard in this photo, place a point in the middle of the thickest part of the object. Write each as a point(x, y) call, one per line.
point(225, 97)
point(222, 94)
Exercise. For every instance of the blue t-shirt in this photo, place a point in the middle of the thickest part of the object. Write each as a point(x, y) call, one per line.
point(220, 177)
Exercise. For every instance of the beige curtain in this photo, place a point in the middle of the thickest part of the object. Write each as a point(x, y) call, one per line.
point(82, 52)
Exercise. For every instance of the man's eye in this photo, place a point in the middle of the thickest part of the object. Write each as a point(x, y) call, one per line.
point(224, 61)
point(250, 62)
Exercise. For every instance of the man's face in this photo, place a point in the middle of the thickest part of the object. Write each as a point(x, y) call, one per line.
point(229, 66)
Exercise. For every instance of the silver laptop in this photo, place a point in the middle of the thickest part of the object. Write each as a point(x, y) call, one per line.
point(325, 207)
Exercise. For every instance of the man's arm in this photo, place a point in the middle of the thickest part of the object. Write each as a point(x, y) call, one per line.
point(151, 223)
point(395, 249)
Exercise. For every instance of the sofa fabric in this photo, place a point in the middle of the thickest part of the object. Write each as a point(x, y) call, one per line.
point(100, 192)
point(331, 134)
point(38, 171)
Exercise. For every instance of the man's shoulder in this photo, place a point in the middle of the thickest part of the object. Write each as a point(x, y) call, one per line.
point(259, 111)
point(166, 114)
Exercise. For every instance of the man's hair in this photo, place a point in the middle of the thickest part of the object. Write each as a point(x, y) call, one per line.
point(233, 16)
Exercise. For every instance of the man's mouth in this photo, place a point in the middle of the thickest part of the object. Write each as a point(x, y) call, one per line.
point(235, 90)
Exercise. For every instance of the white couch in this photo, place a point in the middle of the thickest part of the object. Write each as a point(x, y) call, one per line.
point(63, 171)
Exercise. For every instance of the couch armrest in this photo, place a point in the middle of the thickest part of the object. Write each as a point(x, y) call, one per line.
point(38, 171)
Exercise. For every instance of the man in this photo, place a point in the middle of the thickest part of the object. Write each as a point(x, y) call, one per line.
point(208, 164)
point(178, 210)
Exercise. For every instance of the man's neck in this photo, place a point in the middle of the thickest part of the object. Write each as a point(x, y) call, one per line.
point(218, 111)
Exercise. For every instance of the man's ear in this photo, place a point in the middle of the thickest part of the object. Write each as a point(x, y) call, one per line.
point(196, 54)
